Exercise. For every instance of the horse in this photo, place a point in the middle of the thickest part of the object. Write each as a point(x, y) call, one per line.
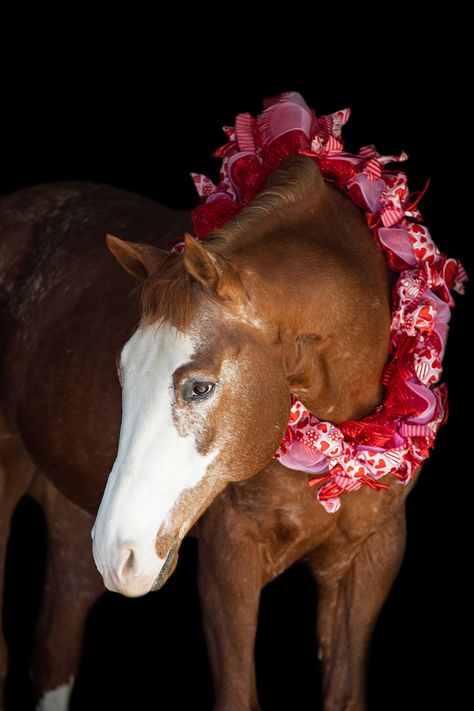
point(291, 296)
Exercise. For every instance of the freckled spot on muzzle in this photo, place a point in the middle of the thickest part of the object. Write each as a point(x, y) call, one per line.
point(168, 567)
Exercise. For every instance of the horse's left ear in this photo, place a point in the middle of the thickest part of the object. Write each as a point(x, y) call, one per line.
point(212, 271)
point(137, 258)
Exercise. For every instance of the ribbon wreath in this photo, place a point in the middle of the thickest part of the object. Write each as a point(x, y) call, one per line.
point(397, 437)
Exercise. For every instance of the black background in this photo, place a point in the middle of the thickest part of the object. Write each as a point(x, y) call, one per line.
point(142, 123)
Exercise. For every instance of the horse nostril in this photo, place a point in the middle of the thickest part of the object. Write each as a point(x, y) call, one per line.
point(128, 565)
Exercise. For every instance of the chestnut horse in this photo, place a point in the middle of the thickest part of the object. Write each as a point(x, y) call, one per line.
point(292, 296)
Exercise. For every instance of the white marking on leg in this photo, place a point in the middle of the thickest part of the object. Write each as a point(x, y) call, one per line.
point(154, 464)
point(56, 699)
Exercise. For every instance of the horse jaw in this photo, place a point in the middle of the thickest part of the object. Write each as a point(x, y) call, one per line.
point(155, 466)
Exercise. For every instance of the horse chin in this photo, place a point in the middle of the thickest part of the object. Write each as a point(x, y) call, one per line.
point(167, 569)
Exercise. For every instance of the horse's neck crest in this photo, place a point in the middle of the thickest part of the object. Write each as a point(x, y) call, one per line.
point(396, 438)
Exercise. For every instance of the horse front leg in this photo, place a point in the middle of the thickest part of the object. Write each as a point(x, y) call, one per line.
point(230, 578)
point(72, 585)
point(351, 595)
point(16, 472)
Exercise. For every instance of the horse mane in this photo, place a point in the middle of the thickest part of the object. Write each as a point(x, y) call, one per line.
point(169, 294)
point(285, 200)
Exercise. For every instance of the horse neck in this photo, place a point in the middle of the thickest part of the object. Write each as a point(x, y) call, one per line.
point(321, 284)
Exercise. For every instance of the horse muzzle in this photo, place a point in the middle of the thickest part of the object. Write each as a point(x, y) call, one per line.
point(132, 569)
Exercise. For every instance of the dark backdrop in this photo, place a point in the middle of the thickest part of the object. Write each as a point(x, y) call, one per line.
point(115, 124)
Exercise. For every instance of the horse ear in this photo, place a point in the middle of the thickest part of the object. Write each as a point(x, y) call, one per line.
point(138, 259)
point(211, 270)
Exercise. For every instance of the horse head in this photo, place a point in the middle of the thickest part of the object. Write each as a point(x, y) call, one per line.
point(205, 402)
point(276, 302)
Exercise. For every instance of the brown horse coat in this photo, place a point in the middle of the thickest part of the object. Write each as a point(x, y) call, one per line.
point(67, 309)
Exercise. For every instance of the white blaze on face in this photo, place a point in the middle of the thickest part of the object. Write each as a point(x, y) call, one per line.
point(154, 463)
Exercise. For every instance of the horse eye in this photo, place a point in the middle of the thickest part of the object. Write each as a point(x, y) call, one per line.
point(200, 389)
point(197, 390)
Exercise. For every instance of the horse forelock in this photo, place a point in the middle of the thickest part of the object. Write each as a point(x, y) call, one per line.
point(169, 295)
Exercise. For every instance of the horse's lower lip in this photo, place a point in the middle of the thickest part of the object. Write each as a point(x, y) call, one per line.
point(167, 565)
